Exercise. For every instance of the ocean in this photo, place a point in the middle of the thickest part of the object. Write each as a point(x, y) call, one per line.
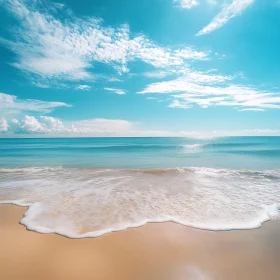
point(86, 187)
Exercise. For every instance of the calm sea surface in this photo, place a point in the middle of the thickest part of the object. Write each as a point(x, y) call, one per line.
point(229, 152)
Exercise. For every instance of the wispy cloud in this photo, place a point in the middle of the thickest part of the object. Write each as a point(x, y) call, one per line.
point(114, 80)
point(223, 133)
point(187, 78)
point(10, 103)
point(186, 4)
point(116, 90)
point(151, 98)
point(56, 45)
point(228, 12)
point(208, 90)
point(179, 104)
point(252, 109)
point(156, 74)
point(83, 87)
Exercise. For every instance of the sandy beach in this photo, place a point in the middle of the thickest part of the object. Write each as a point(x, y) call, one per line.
point(154, 251)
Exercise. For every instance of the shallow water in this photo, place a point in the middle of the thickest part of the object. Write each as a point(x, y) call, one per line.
point(79, 202)
point(142, 180)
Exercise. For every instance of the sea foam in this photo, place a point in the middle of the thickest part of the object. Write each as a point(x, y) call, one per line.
point(89, 202)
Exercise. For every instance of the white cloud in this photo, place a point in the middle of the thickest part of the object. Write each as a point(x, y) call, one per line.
point(116, 90)
point(228, 12)
point(188, 75)
point(189, 79)
point(83, 87)
point(179, 104)
point(10, 103)
point(3, 125)
point(186, 4)
point(190, 54)
point(114, 80)
point(45, 126)
point(223, 133)
point(29, 124)
point(211, 91)
point(58, 46)
point(49, 126)
point(252, 109)
point(156, 74)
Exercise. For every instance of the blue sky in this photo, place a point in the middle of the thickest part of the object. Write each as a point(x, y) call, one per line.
point(139, 68)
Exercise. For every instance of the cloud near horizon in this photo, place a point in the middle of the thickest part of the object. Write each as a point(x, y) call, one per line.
point(50, 125)
point(3, 125)
point(45, 126)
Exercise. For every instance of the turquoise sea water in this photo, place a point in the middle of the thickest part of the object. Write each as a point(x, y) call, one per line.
point(227, 152)
point(86, 187)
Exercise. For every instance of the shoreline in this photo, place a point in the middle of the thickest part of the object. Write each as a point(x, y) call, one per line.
point(153, 251)
point(146, 223)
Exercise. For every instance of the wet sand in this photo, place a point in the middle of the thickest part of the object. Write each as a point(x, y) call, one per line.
point(165, 251)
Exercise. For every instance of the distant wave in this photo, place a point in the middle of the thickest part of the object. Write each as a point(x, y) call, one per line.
point(99, 147)
point(192, 148)
point(122, 147)
point(233, 145)
point(88, 202)
point(260, 152)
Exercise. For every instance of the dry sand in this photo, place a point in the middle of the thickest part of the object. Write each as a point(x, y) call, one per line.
point(152, 252)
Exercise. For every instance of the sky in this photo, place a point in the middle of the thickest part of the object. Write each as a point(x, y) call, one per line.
point(191, 68)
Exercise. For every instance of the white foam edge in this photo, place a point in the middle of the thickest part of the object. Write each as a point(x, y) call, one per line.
point(270, 212)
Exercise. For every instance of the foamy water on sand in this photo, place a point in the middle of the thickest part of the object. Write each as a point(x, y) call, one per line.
point(88, 202)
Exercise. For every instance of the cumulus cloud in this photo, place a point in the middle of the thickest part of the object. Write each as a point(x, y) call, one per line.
point(228, 12)
point(3, 125)
point(46, 126)
point(29, 124)
point(59, 46)
point(116, 90)
point(49, 126)
point(10, 103)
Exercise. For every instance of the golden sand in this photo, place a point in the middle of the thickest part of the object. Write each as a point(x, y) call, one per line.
point(163, 251)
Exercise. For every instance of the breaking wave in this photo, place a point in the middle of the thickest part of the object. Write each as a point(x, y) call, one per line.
point(88, 202)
